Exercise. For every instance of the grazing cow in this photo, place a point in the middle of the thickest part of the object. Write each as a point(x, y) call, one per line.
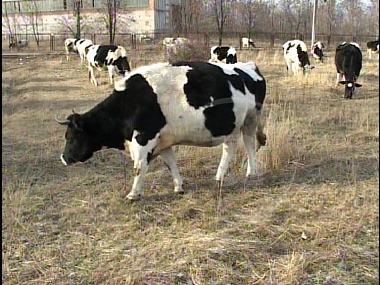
point(348, 63)
point(113, 57)
point(247, 43)
point(18, 44)
point(373, 47)
point(296, 57)
point(167, 41)
point(181, 41)
point(223, 54)
point(79, 46)
point(205, 104)
point(317, 51)
point(145, 39)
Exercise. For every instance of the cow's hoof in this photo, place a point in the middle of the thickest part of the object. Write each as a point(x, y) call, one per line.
point(133, 197)
point(179, 191)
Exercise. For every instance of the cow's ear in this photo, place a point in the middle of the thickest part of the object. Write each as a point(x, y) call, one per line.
point(76, 121)
point(343, 82)
point(358, 84)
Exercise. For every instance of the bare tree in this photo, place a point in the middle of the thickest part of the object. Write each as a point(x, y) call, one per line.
point(10, 21)
point(110, 18)
point(78, 4)
point(190, 15)
point(221, 9)
point(32, 17)
point(249, 15)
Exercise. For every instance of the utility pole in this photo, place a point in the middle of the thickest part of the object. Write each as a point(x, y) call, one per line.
point(313, 25)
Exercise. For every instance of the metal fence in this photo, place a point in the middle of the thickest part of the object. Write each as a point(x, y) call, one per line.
point(55, 42)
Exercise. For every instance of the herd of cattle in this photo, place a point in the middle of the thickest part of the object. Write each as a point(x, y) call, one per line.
point(198, 103)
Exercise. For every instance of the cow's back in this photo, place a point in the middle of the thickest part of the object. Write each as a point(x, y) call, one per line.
point(348, 58)
point(203, 102)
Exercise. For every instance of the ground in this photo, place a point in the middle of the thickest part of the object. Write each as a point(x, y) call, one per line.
point(311, 218)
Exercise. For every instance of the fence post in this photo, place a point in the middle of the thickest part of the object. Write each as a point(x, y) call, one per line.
point(93, 38)
point(133, 39)
point(51, 42)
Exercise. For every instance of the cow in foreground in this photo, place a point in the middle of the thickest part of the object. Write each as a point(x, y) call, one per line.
point(158, 106)
point(373, 47)
point(223, 54)
point(317, 51)
point(79, 46)
point(247, 43)
point(112, 57)
point(348, 63)
point(296, 57)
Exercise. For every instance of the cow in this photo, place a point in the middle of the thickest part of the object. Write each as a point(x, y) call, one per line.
point(317, 51)
point(205, 104)
point(113, 57)
point(181, 41)
point(373, 47)
point(80, 46)
point(18, 44)
point(348, 63)
point(246, 43)
point(296, 57)
point(167, 41)
point(223, 54)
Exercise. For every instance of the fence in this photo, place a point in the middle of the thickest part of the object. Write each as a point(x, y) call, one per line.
point(55, 42)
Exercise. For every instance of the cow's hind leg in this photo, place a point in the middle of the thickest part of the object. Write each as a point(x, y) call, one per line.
point(229, 147)
point(252, 131)
point(169, 159)
point(91, 75)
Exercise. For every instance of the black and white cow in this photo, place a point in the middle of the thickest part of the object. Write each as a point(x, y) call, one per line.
point(79, 46)
point(158, 106)
point(223, 54)
point(112, 57)
point(373, 47)
point(247, 43)
point(348, 63)
point(296, 57)
point(317, 51)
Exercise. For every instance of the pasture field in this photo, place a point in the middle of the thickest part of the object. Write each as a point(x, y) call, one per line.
point(311, 218)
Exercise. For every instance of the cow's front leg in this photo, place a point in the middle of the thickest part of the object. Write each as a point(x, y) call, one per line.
point(111, 71)
point(168, 156)
point(142, 149)
point(91, 75)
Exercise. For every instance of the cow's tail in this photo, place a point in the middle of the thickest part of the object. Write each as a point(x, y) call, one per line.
point(261, 137)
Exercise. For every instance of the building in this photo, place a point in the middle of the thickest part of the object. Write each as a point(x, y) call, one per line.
point(58, 16)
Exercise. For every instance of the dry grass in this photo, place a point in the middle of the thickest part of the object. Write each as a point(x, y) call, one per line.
point(311, 219)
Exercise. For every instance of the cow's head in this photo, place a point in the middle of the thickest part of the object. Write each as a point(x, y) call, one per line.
point(80, 144)
point(303, 59)
point(349, 88)
point(119, 59)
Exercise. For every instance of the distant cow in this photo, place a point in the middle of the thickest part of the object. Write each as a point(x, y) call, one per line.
point(205, 104)
point(167, 41)
point(247, 43)
point(296, 57)
point(373, 47)
point(114, 58)
point(223, 54)
point(348, 63)
point(317, 51)
point(79, 46)
point(18, 44)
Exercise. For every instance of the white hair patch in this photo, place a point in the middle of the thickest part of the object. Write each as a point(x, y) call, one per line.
point(349, 85)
